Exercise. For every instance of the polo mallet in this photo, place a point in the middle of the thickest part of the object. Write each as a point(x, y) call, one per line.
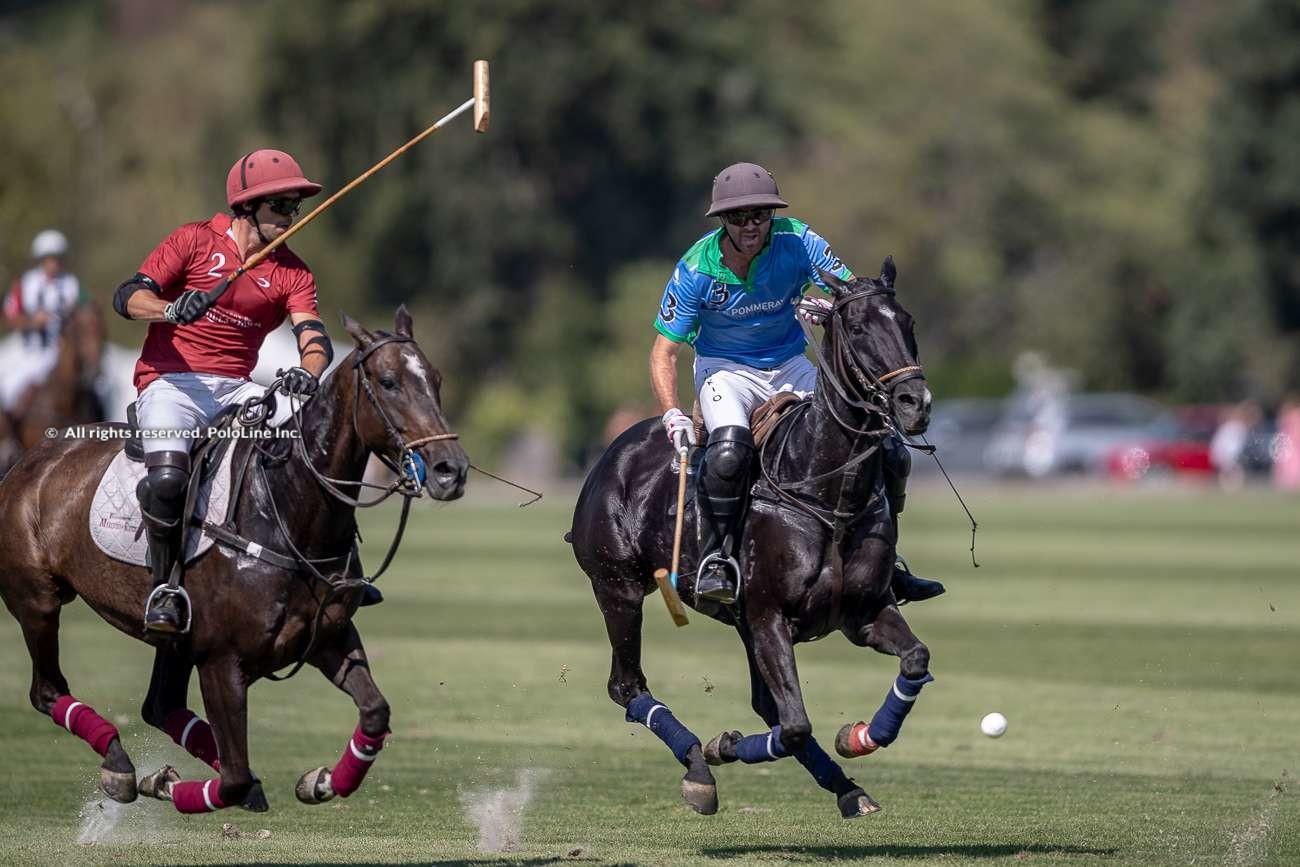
point(479, 102)
point(668, 583)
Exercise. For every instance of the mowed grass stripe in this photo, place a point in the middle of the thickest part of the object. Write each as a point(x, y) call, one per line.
point(1152, 695)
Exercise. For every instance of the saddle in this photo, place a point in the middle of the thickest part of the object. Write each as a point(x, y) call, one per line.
point(115, 520)
point(762, 421)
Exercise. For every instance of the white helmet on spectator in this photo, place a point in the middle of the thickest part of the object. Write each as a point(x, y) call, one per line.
point(51, 242)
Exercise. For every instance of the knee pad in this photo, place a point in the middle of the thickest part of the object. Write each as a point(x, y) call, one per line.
point(162, 490)
point(729, 453)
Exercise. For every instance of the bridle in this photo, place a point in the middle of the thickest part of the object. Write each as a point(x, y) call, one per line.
point(847, 369)
point(407, 483)
point(852, 380)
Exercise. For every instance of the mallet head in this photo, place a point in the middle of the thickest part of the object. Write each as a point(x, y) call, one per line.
point(481, 96)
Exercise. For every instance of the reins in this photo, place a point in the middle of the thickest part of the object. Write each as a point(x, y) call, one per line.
point(873, 396)
point(407, 483)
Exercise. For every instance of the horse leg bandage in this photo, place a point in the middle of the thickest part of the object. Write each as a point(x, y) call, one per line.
point(888, 721)
point(355, 762)
point(82, 721)
point(194, 736)
point(660, 720)
point(828, 774)
point(767, 747)
point(197, 796)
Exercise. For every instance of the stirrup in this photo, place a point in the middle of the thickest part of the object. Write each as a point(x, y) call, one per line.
point(165, 590)
point(729, 565)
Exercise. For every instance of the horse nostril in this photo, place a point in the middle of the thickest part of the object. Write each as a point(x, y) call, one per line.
point(446, 471)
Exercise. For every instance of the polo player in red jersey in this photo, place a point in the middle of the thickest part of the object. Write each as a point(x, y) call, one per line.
point(198, 354)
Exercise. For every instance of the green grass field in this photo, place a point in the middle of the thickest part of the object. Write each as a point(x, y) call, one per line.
point(1144, 645)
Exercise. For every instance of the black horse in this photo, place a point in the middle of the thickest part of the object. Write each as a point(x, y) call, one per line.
point(816, 553)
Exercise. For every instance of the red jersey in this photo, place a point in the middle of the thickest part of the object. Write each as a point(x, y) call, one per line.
point(227, 339)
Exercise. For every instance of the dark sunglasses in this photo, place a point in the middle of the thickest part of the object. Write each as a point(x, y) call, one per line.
point(285, 207)
point(757, 216)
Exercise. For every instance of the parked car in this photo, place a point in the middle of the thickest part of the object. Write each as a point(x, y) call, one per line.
point(1177, 444)
point(961, 429)
point(1068, 433)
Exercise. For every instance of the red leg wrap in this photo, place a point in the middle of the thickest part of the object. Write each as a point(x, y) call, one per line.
point(187, 729)
point(860, 741)
point(197, 796)
point(355, 762)
point(82, 721)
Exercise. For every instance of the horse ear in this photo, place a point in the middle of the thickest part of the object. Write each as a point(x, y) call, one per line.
point(888, 273)
point(359, 332)
point(835, 284)
point(403, 321)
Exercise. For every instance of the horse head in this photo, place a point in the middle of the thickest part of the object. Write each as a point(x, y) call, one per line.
point(397, 410)
point(82, 336)
point(871, 347)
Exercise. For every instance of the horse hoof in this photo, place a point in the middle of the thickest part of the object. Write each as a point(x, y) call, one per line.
point(722, 749)
point(255, 800)
point(701, 797)
point(314, 787)
point(856, 804)
point(120, 787)
point(855, 740)
point(159, 783)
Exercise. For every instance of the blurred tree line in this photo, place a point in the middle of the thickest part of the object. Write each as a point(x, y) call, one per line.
point(1113, 183)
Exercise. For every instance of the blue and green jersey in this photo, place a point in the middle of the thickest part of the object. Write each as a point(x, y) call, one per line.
point(748, 321)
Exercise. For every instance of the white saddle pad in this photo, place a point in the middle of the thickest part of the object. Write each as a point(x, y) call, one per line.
point(115, 511)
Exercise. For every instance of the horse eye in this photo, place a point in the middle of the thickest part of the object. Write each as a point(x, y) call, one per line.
point(387, 382)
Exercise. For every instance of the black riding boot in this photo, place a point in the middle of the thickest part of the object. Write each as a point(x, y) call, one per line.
point(724, 490)
point(898, 466)
point(162, 502)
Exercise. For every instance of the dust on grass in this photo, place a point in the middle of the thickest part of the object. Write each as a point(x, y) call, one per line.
point(498, 812)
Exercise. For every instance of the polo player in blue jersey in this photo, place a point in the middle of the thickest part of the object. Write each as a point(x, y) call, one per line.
point(734, 297)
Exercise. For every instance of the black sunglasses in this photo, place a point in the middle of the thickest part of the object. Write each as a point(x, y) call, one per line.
point(285, 207)
point(757, 216)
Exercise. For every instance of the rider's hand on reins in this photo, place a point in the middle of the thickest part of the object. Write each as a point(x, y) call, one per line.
point(188, 308)
point(299, 381)
point(814, 310)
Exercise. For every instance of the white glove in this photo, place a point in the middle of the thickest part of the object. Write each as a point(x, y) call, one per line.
point(814, 310)
point(679, 428)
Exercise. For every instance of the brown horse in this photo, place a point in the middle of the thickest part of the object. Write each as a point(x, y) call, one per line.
point(68, 396)
point(254, 611)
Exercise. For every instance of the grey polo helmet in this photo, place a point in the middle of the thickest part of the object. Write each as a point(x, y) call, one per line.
point(744, 185)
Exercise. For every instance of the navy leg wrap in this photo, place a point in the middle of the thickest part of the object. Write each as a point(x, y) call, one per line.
point(660, 720)
point(767, 747)
point(887, 722)
point(828, 774)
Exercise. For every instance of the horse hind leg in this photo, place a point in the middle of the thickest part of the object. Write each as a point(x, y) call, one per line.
point(621, 603)
point(165, 708)
point(769, 747)
point(37, 611)
point(889, 634)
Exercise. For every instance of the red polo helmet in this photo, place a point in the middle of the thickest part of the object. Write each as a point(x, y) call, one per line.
point(264, 173)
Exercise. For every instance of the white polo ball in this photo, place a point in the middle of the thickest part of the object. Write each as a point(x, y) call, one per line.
point(994, 725)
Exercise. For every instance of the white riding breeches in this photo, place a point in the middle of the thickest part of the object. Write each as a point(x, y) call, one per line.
point(24, 363)
point(729, 392)
point(176, 407)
